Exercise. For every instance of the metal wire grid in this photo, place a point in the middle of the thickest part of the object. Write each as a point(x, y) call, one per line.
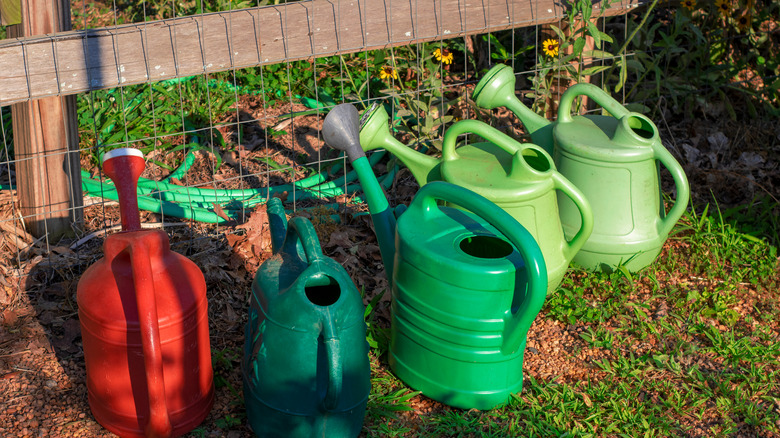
point(318, 66)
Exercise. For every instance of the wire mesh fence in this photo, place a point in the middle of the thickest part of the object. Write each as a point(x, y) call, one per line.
point(221, 142)
point(226, 101)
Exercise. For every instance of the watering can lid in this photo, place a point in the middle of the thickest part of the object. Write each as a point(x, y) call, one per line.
point(491, 171)
point(606, 138)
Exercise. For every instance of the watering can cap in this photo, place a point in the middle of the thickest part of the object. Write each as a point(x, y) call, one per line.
point(121, 152)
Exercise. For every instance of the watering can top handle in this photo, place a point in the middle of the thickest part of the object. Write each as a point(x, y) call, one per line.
point(535, 268)
point(304, 231)
point(500, 139)
point(597, 94)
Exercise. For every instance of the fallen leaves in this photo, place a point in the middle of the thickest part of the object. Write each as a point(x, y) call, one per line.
point(254, 245)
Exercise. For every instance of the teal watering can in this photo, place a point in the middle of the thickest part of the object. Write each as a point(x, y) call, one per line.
point(305, 368)
point(518, 177)
point(614, 160)
point(466, 285)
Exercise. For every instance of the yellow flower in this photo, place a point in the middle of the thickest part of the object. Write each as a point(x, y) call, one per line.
point(388, 72)
point(744, 21)
point(723, 6)
point(688, 4)
point(550, 47)
point(443, 56)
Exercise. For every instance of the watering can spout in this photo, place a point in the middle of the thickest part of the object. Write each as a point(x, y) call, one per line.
point(497, 89)
point(340, 130)
point(277, 223)
point(124, 166)
point(375, 134)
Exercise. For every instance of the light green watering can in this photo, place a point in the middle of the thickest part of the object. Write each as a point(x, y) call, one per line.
point(613, 159)
point(518, 177)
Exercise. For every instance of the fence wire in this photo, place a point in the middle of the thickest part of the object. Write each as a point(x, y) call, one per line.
point(219, 143)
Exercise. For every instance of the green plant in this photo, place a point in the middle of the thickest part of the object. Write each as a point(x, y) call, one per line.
point(152, 116)
point(378, 337)
point(416, 83)
point(716, 52)
point(507, 46)
point(228, 422)
point(384, 402)
point(223, 362)
point(561, 61)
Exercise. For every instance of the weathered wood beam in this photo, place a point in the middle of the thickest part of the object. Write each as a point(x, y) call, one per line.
point(75, 62)
point(46, 140)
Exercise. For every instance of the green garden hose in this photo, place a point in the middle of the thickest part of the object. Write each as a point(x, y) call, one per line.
point(201, 204)
point(200, 212)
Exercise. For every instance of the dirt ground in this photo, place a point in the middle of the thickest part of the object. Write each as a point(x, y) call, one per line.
point(42, 377)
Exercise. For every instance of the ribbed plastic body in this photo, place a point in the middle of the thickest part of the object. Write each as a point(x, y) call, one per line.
point(306, 370)
point(111, 335)
point(462, 305)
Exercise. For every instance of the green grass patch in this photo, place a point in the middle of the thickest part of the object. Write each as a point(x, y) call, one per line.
point(687, 347)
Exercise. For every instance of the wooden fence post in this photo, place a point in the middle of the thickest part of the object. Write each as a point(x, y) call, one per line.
point(48, 176)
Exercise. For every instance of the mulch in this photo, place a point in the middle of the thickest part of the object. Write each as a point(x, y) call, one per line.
point(42, 377)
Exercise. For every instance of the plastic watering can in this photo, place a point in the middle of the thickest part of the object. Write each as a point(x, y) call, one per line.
point(144, 324)
point(614, 160)
point(305, 368)
point(466, 285)
point(518, 177)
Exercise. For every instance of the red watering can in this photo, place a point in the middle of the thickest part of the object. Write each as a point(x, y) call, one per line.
point(144, 324)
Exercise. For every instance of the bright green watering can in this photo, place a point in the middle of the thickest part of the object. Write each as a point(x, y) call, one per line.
point(466, 285)
point(614, 160)
point(520, 178)
point(306, 370)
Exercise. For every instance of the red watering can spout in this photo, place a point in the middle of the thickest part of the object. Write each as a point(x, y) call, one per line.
point(124, 166)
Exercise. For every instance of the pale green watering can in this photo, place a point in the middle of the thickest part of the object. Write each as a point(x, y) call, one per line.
point(613, 159)
point(519, 178)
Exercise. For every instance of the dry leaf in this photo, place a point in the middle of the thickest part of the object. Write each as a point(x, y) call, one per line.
point(340, 239)
point(9, 317)
point(220, 212)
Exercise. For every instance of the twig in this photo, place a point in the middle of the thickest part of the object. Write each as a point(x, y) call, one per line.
point(14, 354)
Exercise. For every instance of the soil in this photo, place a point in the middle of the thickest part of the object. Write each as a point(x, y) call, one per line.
point(42, 377)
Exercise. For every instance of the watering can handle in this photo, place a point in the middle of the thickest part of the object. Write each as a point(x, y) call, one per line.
point(505, 142)
point(159, 422)
point(598, 95)
point(680, 183)
point(304, 232)
point(586, 214)
point(277, 223)
point(335, 370)
point(516, 327)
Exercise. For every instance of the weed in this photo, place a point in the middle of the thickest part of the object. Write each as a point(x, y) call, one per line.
point(378, 337)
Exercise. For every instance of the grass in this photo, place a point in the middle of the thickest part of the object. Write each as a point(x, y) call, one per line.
point(686, 347)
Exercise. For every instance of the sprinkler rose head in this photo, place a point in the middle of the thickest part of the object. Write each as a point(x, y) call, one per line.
point(341, 130)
